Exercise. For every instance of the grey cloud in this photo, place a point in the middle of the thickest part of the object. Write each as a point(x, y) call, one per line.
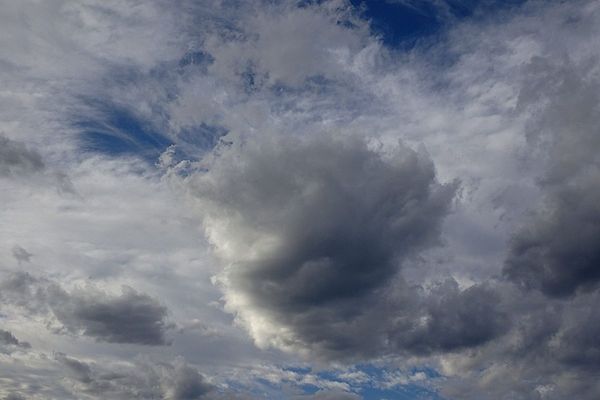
point(551, 354)
point(93, 380)
point(187, 383)
point(7, 338)
point(312, 232)
point(79, 370)
point(8, 342)
point(21, 255)
point(558, 250)
point(145, 379)
point(131, 317)
point(16, 159)
point(329, 395)
point(577, 342)
point(14, 396)
point(20, 289)
point(453, 319)
point(312, 265)
point(553, 350)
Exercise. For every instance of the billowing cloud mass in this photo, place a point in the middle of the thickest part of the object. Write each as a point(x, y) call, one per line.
point(558, 252)
point(299, 199)
point(130, 317)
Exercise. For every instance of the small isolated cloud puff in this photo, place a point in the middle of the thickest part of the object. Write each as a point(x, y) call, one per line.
point(311, 230)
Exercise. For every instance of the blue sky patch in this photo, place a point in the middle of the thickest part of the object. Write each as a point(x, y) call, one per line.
point(116, 131)
point(402, 23)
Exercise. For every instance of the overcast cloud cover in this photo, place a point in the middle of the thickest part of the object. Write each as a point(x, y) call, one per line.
point(299, 199)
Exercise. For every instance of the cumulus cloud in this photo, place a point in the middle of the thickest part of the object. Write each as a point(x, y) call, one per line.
point(312, 231)
point(130, 317)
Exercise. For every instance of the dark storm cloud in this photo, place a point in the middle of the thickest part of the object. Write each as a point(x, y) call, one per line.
point(16, 159)
point(130, 317)
point(558, 250)
point(312, 232)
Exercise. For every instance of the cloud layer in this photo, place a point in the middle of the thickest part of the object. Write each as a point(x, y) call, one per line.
point(302, 209)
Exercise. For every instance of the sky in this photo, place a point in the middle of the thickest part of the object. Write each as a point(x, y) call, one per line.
point(305, 200)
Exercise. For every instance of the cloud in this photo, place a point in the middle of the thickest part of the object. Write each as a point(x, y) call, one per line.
point(77, 369)
point(187, 383)
point(21, 255)
point(455, 319)
point(328, 244)
point(17, 160)
point(558, 250)
point(329, 395)
point(550, 354)
point(130, 317)
point(14, 396)
point(142, 379)
point(9, 343)
point(577, 343)
point(312, 231)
